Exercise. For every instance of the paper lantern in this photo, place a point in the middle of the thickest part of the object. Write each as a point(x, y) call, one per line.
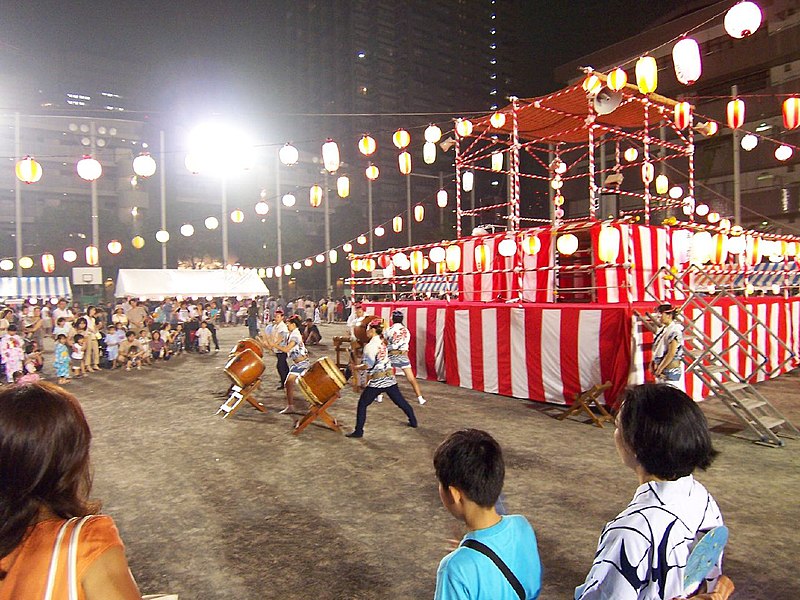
point(713, 217)
point(783, 152)
point(531, 245)
point(742, 19)
point(372, 172)
point(330, 156)
point(48, 263)
point(735, 112)
point(237, 216)
point(592, 84)
point(736, 244)
point(362, 239)
point(507, 247)
point(497, 120)
point(482, 257)
point(681, 243)
point(702, 248)
point(144, 165)
point(287, 270)
point(648, 171)
point(429, 153)
point(397, 224)
point(288, 155)
point(347, 247)
point(404, 162)
point(137, 242)
point(791, 112)
point(617, 79)
point(464, 127)
point(441, 268)
point(89, 169)
point(631, 154)
point(401, 139)
point(333, 257)
point(315, 195)
point(355, 265)
point(194, 163)
point(497, 161)
point(343, 186)
point(211, 223)
point(384, 260)
point(749, 142)
point(6, 264)
point(608, 244)
point(367, 145)
point(288, 200)
point(379, 231)
point(419, 213)
point(567, 244)
point(662, 184)
point(399, 259)
point(453, 258)
point(320, 258)
point(432, 134)
point(26, 262)
point(114, 247)
point(417, 260)
point(720, 246)
point(701, 210)
point(683, 115)
point(687, 62)
point(187, 230)
point(162, 236)
point(647, 74)
point(28, 170)
point(725, 225)
point(675, 192)
point(441, 198)
point(708, 128)
point(467, 181)
point(92, 255)
point(437, 254)
point(261, 272)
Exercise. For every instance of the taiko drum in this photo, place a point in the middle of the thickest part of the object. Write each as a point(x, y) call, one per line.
point(244, 368)
point(360, 329)
point(322, 380)
point(247, 344)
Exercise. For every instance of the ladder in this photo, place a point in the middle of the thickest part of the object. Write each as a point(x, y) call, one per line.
point(704, 356)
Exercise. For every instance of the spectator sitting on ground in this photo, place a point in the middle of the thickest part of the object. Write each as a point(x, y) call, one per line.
point(470, 469)
point(158, 348)
point(144, 346)
point(45, 480)
point(129, 353)
point(311, 334)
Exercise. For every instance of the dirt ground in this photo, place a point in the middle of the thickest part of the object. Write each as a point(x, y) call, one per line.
point(242, 509)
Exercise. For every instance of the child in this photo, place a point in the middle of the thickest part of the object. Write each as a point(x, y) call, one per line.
point(144, 347)
point(114, 338)
point(34, 362)
point(61, 361)
point(129, 353)
point(78, 350)
point(204, 338)
point(470, 469)
point(21, 378)
point(61, 327)
point(177, 339)
point(12, 349)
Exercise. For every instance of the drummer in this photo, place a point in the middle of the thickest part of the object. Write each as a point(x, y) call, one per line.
point(354, 319)
point(380, 379)
point(296, 351)
point(397, 339)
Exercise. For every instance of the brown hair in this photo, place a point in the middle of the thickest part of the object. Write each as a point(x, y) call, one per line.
point(44, 459)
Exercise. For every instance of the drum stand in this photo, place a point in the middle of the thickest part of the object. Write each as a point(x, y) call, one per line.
point(239, 395)
point(318, 411)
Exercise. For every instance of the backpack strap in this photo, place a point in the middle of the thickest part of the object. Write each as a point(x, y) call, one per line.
point(489, 553)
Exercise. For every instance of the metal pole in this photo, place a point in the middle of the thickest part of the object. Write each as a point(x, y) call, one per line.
point(441, 210)
point(737, 174)
point(408, 207)
point(224, 221)
point(278, 204)
point(369, 209)
point(163, 197)
point(472, 206)
point(17, 195)
point(551, 193)
point(95, 217)
point(327, 238)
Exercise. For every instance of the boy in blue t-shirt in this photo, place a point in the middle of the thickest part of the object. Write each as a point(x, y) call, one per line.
point(470, 469)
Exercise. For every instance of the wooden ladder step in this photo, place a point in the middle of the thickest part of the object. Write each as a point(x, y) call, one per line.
point(751, 403)
point(771, 422)
point(732, 386)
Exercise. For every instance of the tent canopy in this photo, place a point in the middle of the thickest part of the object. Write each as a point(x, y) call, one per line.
point(154, 284)
point(562, 116)
point(34, 287)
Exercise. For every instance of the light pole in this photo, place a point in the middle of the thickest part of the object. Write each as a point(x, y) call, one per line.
point(327, 235)
point(408, 196)
point(17, 195)
point(163, 179)
point(278, 203)
point(369, 213)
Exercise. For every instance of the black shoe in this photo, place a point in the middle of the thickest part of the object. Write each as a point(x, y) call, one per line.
point(354, 434)
point(280, 387)
point(414, 425)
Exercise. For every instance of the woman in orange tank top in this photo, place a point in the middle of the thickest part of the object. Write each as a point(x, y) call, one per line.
point(44, 481)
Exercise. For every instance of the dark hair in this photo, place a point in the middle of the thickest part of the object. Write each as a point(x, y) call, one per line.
point(44, 459)
point(397, 316)
point(295, 320)
point(666, 430)
point(12, 327)
point(81, 320)
point(61, 335)
point(77, 337)
point(130, 333)
point(472, 461)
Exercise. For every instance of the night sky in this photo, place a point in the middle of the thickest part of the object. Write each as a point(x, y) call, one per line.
point(225, 52)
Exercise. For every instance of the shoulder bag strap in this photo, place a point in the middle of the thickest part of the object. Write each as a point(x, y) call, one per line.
point(72, 572)
point(489, 553)
point(51, 575)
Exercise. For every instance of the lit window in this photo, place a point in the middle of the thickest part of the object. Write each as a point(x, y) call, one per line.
point(493, 61)
point(493, 107)
point(493, 46)
point(493, 92)
point(362, 54)
point(494, 16)
point(495, 182)
point(493, 76)
point(493, 31)
point(362, 90)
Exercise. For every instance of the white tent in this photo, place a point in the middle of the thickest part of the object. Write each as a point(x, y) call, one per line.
point(12, 288)
point(155, 284)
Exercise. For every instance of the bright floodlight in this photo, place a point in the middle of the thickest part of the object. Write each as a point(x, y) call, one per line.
point(219, 149)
